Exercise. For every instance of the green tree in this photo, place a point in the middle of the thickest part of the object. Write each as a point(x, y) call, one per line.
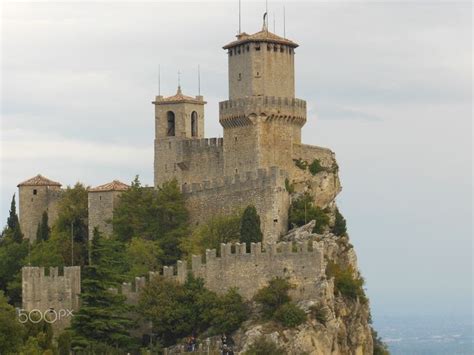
point(13, 223)
point(346, 281)
point(290, 315)
point(303, 210)
point(42, 233)
point(339, 228)
point(73, 220)
point(230, 313)
point(210, 235)
point(250, 231)
point(143, 256)
point(11, 330)
point(153, 214)
point(274, 295)
point(101, 320)
point(12, 255)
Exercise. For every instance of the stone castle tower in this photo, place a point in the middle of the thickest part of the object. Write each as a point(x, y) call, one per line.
point(36, 196)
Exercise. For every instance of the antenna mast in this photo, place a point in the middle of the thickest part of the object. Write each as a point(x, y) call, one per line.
point(159, 80)
point(240, 17)
point(284, 22)
point(199, 80)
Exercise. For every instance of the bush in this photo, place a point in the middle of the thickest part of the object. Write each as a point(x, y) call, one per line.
point(262, 346)
point(290, 188)
point(319, 313)
point(339, 228)
point(345, 282)
point(290, 315)
point(315, 167)
point(302, 210)
point(273, 296)
point(380, 348)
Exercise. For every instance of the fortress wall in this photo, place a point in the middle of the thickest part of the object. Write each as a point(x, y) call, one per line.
point(248, 272)
point(33, 201)
point(188, 160)
point(203, 159)
point(265, 189)
point(55, 288)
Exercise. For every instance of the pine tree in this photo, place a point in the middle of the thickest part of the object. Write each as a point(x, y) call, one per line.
point(101, 320)
point(250, 231)
point(42, 233)
point(13, 223)
point(339, 228)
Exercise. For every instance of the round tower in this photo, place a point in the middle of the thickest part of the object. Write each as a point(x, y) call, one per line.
point(37, 195)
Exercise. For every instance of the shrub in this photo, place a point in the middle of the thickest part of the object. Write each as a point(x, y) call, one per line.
point(262, 346)
point(290, 188)
point(380, 348)
point(319, 313)
point(273, 296)
point(290, 315)
point(345, 282)
point(315, 167)
point(302, 210)
point(250, 231)
point(339, 228)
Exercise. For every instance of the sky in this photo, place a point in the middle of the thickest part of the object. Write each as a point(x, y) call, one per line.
point(388, 87)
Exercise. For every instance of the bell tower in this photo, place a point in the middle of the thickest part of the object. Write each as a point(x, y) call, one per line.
point(262, 119)
point(177, 118)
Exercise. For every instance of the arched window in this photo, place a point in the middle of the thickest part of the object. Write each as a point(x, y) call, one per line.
point(194, 124)
point(171, 124)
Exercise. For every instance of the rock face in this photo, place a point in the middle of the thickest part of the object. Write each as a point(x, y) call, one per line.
point(336, 324)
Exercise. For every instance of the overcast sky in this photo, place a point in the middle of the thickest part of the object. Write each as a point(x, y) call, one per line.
point(388, 87)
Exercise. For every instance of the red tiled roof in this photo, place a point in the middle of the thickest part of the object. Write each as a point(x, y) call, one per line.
point(39, 180)
point(111, 186)
point(262, 36)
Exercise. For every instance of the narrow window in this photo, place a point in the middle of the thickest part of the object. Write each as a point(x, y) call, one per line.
point(100, 198)
point(35, 192)
point(257, 46)
point(240, 76)
point(194, 124)
point(171, 124)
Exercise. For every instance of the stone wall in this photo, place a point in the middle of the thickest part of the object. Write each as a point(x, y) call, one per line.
point(264, 188)
point(52, 289)
point(233, 266)
point(188, 160)
point(33, 201)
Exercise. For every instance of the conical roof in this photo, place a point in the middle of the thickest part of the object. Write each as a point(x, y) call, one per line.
point(179, 97)
point(114, 185)
point(39, 180)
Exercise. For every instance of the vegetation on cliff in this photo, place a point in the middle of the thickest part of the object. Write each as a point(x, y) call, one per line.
point(302, 210)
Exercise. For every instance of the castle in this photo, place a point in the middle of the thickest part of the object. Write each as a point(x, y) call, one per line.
point(260, 161)
point(260, 155)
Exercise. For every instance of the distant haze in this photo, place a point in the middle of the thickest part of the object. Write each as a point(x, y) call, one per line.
point(388, 87)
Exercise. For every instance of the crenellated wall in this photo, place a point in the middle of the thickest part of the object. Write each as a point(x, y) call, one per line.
point(263, 188)
point(232, 266)
point(53, 288)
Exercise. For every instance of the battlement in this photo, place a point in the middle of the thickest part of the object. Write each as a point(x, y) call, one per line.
point(203, 142)
point(226, 268)
point(240, 182)
point(270, 106)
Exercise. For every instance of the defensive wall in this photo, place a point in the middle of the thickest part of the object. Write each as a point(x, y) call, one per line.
point(264, 188)
point(54, 291)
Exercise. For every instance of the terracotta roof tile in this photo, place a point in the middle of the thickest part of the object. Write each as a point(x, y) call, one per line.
point(39, 180)
point(262, 36)
point(111, 186)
